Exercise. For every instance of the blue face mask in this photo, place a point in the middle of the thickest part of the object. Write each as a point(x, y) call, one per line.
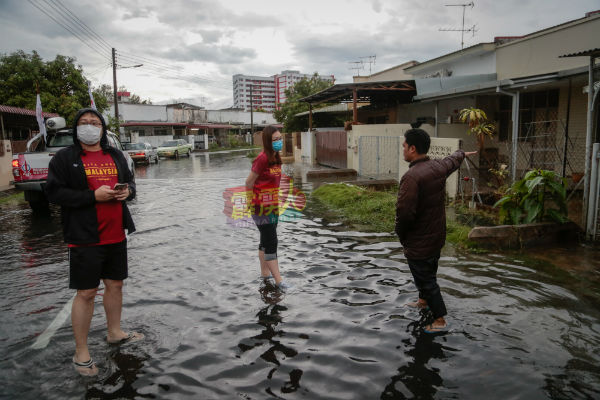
point(277, 145)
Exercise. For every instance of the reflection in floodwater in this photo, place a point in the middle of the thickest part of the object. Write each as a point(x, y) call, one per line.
point(520, 328)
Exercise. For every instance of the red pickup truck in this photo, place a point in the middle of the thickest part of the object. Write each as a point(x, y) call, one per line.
point(30, 169)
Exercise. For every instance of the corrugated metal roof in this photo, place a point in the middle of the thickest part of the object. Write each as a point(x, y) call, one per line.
point(365, 91)
point(24, 111)
point(590, 53)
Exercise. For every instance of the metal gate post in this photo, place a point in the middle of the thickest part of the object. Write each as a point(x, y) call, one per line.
point(360, 156)
point(592, 211)
point(377, 176)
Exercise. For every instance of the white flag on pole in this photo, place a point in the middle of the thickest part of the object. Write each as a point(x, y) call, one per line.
point(92, 102)
point(40, 117)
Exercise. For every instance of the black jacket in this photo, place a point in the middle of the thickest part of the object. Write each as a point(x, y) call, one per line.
point(421, 205)
point(67, 186)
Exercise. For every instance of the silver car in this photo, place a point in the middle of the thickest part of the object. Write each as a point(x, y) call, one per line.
point(141, 152)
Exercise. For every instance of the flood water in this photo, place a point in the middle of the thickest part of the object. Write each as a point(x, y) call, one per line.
point(520, 328)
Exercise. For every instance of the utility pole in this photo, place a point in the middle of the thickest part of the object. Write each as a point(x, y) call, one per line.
point(114, 65)
point(251, 111)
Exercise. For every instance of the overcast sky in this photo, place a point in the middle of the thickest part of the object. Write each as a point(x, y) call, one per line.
point(191, 48)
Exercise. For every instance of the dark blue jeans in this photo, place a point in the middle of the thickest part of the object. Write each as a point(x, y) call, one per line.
point(424, 272)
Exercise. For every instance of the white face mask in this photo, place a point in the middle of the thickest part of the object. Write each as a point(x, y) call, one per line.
point(89, 134)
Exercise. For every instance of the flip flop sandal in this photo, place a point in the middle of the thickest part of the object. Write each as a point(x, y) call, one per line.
point(82, 367)
point(435, 329)
point(131, 338)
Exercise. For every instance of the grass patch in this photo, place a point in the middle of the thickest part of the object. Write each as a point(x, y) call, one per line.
point(18, 197)
point(375, 211)
point(252, 154)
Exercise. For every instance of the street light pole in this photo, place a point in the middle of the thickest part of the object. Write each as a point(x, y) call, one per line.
point(114, 65)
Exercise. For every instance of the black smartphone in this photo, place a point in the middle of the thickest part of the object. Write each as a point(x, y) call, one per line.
point(120, 186)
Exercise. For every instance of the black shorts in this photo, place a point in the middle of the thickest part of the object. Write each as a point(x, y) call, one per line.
point(89, 264)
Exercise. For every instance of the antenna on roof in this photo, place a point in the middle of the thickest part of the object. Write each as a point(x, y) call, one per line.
point(462, 30)
point(358, 65)
point(371, 61)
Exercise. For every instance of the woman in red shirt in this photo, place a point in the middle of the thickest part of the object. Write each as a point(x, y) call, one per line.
point(263, 183)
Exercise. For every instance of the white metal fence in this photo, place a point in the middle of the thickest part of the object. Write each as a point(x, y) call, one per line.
point(379, 156)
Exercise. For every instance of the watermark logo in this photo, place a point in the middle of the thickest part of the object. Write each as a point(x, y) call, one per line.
point(266, 204)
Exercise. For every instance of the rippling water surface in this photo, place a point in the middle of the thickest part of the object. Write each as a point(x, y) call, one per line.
point(520, 328)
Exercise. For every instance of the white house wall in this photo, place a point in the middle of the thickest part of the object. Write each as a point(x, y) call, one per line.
point(139, 112)
point(484, 63)
point(539, 53)
point(239, 117)
point(408, 113)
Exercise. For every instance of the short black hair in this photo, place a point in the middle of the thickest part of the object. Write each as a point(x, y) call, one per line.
point(418, 138)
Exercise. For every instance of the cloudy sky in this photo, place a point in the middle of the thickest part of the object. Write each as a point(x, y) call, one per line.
point(191, 48)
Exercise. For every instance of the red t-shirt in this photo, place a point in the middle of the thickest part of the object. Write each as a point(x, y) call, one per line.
point(266, 186)
point(100, 169)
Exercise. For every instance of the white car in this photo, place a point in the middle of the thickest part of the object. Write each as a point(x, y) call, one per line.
point(141, 152)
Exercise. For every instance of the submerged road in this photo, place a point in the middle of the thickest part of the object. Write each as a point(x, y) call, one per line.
point(520, 328)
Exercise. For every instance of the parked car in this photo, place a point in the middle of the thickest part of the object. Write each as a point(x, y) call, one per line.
point(30, 169)
point(174, 148)
point(141, 152)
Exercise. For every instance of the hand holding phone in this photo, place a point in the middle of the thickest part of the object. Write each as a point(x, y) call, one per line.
point(120, 186)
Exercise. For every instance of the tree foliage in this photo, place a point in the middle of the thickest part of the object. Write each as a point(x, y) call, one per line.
point(62, 85)
point(286, 114)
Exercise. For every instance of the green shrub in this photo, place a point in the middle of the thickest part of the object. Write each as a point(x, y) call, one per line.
point(527, 200)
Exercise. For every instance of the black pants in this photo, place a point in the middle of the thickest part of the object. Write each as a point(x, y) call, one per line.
point(268, 235)
point(424, 272)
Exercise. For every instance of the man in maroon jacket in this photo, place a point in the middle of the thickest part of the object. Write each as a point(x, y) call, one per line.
point(421, 219)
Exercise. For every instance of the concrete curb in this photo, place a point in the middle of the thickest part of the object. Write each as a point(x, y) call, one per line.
point(524, 236)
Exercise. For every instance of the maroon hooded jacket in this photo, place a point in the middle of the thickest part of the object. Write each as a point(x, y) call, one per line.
point(421, 205)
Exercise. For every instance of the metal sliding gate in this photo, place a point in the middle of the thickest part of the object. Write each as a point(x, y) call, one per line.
point(331, 148)
point(379, 156)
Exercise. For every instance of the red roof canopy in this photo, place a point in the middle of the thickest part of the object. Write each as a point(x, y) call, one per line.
point(157, 123)
point(179, 124)
point(24, 111)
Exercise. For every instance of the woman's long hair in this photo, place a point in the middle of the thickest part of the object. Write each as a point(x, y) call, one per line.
point(267, 139)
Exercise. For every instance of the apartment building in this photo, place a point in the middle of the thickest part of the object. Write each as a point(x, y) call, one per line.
point(267, 92)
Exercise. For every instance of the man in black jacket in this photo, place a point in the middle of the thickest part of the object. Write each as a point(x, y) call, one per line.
point(91, 182)
point(421, 219)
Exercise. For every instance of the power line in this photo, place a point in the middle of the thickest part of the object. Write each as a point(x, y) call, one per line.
point(69, 21)
point(188, 78)
point(158, 67)
point(82, 24)
point(45, 12)
point(104, 67)
point(145, 60)
point(56, 10)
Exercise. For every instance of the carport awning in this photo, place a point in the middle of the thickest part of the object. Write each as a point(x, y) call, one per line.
point(208, 126)
point(365, 92)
